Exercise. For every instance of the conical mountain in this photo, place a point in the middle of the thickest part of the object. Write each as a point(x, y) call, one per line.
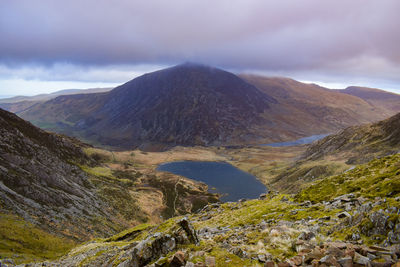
point(189, 104)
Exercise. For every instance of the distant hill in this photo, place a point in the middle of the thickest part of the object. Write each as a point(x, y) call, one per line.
point(193, 104)
point(360, 144)
point(20, 103)
point(44, 97)
point(309, 109)
point(385, 100)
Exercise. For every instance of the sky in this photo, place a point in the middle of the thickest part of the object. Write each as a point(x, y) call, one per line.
point(48, 45)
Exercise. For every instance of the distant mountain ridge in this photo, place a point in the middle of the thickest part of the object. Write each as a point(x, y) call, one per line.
point(45, 97)
point(192, 104)
point(386, 100)
point(21, 103)
point(311, 109)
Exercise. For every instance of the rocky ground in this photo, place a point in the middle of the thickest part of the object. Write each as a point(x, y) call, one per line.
point(272, 231)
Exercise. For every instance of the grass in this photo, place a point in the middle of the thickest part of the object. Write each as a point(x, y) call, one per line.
point(129, 233)
point(378, 178)
point(25, 242)
point(294, 177)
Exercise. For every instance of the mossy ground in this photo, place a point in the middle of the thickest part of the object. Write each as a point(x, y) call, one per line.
point(378, 178)
point(25, 242)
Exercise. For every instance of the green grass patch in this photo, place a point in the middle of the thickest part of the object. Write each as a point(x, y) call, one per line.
point(378, 178)
point(25, 242)
point(129, 233)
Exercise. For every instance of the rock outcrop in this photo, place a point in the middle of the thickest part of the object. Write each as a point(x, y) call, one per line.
point(40, 180)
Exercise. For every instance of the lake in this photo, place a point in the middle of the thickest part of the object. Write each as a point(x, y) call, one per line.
point(233, 184)
point(301, 141)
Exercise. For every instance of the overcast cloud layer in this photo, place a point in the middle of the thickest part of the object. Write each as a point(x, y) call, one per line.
point(338, 41)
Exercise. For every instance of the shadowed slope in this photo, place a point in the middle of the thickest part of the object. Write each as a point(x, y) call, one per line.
point(184, 105)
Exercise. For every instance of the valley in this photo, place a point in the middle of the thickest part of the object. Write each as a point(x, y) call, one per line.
point(116, 201)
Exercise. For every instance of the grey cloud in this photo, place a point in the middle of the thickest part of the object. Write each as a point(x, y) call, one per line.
point(358, 37)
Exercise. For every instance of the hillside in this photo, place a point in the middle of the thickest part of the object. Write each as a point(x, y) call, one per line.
point(184, 105)
point(360, 143)
point(56, 191)
point(339, 152)
point(21, 103)
point(45, 97)
point(332, 222)
point(314, 109)
point(385, 100)
point(192, 104)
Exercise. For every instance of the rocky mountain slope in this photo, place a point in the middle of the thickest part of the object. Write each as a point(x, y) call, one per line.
point(360, 143)
point(40, 181)
point(53, 193)
point(341, 151)
point(187, 104)
point(350, 219)
point(193, 104)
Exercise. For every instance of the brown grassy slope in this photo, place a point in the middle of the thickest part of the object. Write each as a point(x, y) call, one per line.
point(383, 99)
point(310, 109)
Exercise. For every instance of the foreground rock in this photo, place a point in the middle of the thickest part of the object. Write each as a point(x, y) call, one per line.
point(332, 222)
point(253, 233)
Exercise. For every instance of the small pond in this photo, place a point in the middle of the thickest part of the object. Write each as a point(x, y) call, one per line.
point(233, 184)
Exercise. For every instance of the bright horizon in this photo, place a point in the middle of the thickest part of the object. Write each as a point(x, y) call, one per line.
point(49, 46)
point(22, 87)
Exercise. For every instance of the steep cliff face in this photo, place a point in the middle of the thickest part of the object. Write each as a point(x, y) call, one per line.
point(40, 179)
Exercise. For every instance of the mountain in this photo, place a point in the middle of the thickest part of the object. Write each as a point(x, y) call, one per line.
point(193, 104)
point(187, 104)
point(385, 100)
point(56, 191)
point(20, 103)
point(41, 181)
point(311, 109)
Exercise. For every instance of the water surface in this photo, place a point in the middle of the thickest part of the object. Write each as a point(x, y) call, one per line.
point(301, 141)
point(232, 183)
